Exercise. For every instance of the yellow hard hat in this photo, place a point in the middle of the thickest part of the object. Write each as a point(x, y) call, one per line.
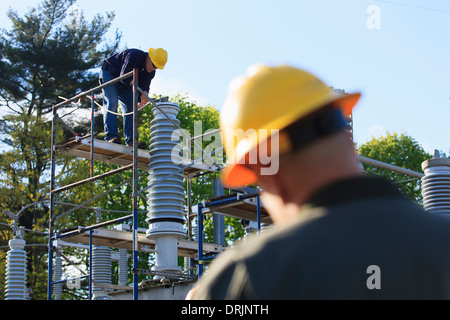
point(270, 98)
point(158, 57)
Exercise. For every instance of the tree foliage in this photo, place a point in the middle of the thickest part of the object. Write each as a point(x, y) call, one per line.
point(399, 150)
point(49, 52)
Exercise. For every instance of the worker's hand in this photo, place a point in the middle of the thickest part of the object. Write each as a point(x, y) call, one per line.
point(144, 101)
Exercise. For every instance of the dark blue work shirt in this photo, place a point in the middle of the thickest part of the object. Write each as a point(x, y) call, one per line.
point(125, 61)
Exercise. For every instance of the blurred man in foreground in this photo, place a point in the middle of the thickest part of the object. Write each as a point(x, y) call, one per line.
point(339, 234)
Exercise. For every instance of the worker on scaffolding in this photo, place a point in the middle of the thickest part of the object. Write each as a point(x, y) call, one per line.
point(339, 233)
point(118, 65)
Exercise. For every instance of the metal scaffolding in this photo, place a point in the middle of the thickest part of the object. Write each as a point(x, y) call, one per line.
point(130, 159)
point(54, 191)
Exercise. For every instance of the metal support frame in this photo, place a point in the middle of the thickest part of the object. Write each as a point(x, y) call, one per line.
point(91, 231)
point(52, 205)
point(204, 205)
point(200, 238)
point(135, 178)
point(91, 178)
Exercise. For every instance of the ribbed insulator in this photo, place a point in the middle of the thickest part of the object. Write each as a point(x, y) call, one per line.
point(57, 275)
point(101, 270)
point(16, 271)
point(187, 263)
point(166, 198)
point(123, 267)
point(436, 185)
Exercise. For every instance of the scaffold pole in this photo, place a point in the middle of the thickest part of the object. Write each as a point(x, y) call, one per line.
point(135, 180)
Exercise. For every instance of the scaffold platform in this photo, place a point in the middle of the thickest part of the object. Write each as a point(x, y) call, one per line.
point(231, 205)
point(124, 240)
point(118, 154)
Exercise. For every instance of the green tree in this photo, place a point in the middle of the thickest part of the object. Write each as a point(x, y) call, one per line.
point(49, 52)
point(399, 150)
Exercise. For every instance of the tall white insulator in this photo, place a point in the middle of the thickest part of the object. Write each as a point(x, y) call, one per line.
point(166, 199)
point(57, 275)
point(101, 271)
point(16, 271)
point(123, 267)
point(436, 185)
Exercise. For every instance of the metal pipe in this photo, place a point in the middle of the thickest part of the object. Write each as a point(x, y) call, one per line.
point(68, 279)
point(237, 197)
point(135, 178)
point(391, 167)
point(95, 226)
point(91, 162)
point(92, 199)
point(200, 239)
point(91, 179)
point(188, 260)
point(218, 219)
point(66, 125)
point(88, 92)
point(68, 204)
point(143, 197)
point(52, 206)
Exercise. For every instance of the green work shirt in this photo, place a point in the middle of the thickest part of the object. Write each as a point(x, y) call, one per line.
point(355, 239)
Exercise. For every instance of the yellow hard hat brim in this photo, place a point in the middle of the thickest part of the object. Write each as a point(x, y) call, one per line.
point(347, 103)
point(238, 175)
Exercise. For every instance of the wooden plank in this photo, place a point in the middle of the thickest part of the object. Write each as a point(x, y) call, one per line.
point(124, 240)
point(118, 154)
point(243, 209)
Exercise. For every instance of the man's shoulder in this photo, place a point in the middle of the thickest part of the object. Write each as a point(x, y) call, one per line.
point(270, 238)
point(134, 51)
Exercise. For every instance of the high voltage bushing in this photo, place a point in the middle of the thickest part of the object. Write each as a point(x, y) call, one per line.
point(165, 199)
point(436, 185)
point(57, 275)
point(16, 271)
point(123, 267)
point(101, 271)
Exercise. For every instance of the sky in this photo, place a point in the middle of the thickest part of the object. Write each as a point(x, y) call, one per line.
point(396, 52)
